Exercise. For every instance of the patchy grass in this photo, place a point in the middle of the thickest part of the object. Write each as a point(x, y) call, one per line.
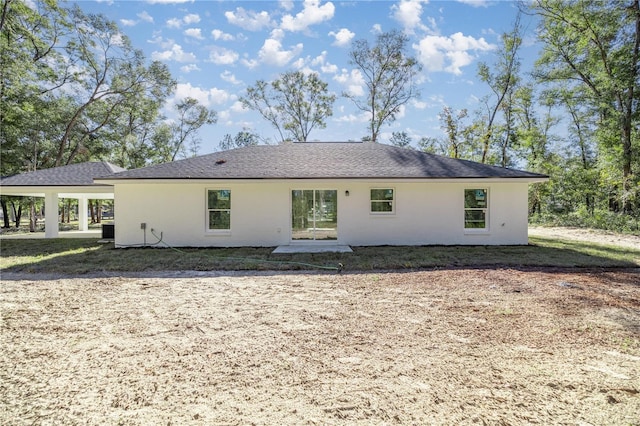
point(79, 256)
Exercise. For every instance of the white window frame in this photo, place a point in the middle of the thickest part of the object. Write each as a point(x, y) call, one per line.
point(484, 209)
point(208, 210)
point(393, 201)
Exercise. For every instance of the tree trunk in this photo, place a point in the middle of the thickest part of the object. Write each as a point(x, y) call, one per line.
point(92, 211)
point(627, 205)
point(32, 215)
point(99, 211)
point(17, 213)
point(5, 213)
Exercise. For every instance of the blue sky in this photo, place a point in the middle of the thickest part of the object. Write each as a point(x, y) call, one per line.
point(216, 49)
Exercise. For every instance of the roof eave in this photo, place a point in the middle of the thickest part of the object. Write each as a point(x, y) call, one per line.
point(527, 179)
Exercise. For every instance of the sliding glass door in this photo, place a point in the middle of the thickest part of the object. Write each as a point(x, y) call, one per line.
point(314, 215)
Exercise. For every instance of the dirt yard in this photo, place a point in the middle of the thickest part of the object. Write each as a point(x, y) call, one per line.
point(430, 347)
point(589, 235)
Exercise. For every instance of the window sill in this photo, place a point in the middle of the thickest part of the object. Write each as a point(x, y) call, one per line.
point(477, 231)
point(216, 233)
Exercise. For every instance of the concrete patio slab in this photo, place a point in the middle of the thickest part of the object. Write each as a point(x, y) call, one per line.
point(312, 249)
point(61, 234)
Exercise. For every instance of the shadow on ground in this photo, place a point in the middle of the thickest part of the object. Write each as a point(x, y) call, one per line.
point(81, 256)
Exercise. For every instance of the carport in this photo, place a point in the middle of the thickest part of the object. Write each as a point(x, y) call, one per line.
point(72, 181)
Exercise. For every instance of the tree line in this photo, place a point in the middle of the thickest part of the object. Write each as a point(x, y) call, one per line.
point(73, 89)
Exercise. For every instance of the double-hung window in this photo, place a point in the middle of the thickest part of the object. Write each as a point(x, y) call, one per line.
point(219, 210)
point(382, 200)
point(476, 204)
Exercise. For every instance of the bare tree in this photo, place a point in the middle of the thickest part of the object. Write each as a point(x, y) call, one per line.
point(191, 117)
point(389, 75)
point(502, 83)
point(294, 104)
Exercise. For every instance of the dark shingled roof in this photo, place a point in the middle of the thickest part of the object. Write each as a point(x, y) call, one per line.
point(321, 160)
point(81, 174)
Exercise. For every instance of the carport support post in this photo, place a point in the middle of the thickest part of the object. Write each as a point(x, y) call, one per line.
point(51, 215)
point(83, 206)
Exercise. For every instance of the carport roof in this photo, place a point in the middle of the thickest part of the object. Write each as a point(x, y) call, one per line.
point(81, 174)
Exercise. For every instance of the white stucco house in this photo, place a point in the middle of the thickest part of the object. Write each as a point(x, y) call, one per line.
point(347, 193)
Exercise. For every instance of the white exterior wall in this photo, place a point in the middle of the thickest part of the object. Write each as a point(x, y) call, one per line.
point(433, 213)
point(425, 213)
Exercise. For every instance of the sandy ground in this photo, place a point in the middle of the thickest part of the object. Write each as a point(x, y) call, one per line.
point(431, 347)
point(591, 235)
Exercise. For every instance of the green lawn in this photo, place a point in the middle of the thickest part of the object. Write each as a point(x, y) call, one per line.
point(79, 256)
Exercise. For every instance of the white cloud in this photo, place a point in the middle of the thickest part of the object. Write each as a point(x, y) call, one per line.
point(222, 56)
point(320, 59)
point(188, 68)
point(450, 54)
point(163, 43)
point(376, 29)
point(194, 33)
point(229, 77)
point(221, 35)
point(418, 104)
point(408, 13)
point(174, 23)
point(250, 63)
point(490, 31)
point(286, 4)
point(312, 13)
point(206, 97)
point(167, 1)
point(145, 16)
point(437, 100)
point(299, 64)
point(352, 118)
point(304, 65)
point(329, 68)
point(248, 19)
point(277, 34)
point(272, 52)
point(432, 28)
point(189, 19)
point(325, 66)
point(175, 53)
point(225, 117)
point(237, 107)
point(342, 37)
point(155, 40)
point(475, 3)
point(352, 81)
point(128, 22)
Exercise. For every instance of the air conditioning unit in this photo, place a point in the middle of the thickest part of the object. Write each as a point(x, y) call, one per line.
point(108, 231)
